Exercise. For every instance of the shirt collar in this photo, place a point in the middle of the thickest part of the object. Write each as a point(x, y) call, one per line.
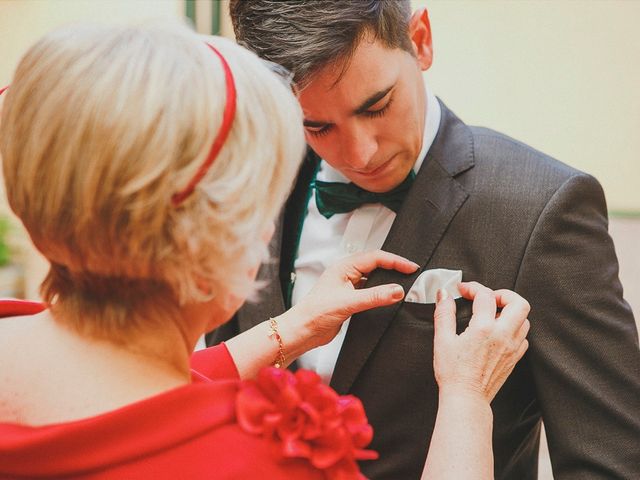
point(431, 124)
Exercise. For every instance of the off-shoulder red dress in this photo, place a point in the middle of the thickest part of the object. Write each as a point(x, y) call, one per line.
point(279, 426)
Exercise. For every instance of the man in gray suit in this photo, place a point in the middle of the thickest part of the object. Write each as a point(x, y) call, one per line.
point(391, 166)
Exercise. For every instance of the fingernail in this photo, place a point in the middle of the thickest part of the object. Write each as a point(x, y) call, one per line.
point(441, 295)
point(397, 292)
point(415, 265)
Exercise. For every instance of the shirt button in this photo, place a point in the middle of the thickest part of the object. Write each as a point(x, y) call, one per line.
point(293, 277)
point(352, 248)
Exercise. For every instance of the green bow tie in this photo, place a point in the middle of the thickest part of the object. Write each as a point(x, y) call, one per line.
point(336, 197)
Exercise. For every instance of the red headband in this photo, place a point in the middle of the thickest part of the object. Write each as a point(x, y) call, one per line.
point(227, 120)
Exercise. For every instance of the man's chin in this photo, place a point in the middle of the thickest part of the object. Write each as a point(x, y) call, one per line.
point(389, 176)
point(383, 184)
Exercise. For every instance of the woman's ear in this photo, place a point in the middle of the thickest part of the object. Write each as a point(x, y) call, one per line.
point(420, 34)
point(204, 286)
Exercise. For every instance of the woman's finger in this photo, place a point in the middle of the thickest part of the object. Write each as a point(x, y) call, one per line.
point(522, 350)
point(514, 308)
point(444, 319)
point(373, 297)
point(362, 263)
point(469, 290)
point(484, 307)
point(523, 331)
point(484, 301)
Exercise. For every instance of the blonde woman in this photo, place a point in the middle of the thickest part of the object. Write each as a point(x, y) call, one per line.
point(148, 168)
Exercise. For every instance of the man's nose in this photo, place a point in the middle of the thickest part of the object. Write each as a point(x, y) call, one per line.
point(358, 148)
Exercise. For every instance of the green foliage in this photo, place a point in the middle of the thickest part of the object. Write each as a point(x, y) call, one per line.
point(5, 252)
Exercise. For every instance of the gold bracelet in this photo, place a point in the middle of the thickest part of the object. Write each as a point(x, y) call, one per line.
point(273, 333)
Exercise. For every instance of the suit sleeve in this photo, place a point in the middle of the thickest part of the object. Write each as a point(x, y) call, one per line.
point(223, 332)
point(583, 341)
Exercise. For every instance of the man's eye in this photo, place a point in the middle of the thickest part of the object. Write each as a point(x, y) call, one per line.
point(319, 131)
point(379, 112)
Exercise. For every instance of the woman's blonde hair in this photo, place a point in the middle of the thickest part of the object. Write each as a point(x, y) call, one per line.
point(102, 125)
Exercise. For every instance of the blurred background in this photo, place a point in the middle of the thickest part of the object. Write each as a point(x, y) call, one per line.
point(561, 76)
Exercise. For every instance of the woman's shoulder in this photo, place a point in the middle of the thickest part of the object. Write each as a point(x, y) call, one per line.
point(298, 418)
point(18, 338)
point(187, 432)
point(16, 318)
point(280, 425)
point(288, 425)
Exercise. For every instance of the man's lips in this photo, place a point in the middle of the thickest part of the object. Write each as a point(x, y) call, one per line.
point(375, 171)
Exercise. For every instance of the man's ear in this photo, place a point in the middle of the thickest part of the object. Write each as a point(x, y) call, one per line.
point(420, 34)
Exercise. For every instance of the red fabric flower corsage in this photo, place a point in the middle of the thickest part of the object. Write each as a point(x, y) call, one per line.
point(303, 418)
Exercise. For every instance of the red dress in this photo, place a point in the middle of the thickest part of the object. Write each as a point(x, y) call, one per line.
point(279, 426)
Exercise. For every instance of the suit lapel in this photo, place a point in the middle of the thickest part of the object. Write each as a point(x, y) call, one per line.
point(430, 206)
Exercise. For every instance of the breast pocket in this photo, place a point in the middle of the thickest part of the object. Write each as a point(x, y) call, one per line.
point(421, 314)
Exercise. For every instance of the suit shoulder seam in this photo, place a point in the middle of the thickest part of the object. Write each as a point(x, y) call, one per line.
point(542, 213)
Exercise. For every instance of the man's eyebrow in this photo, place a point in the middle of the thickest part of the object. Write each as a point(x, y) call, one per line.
point(313, 124)
point(372, 100)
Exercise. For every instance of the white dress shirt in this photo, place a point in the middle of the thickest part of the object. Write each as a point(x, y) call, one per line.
point(324, 241)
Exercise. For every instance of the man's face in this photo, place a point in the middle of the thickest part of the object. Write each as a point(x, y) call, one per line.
point(369, 124)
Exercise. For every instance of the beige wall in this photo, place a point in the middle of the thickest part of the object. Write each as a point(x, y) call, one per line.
point(24, 21)
point(562, 76)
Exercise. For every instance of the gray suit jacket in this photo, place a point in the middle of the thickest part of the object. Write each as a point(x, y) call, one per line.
point(508, 217)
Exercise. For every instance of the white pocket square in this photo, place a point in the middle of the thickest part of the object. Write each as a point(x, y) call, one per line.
point(428, 283)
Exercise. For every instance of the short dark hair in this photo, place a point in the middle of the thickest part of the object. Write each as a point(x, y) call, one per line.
point(305, 35)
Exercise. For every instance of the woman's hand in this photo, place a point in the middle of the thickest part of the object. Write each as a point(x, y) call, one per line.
point(470, 369)
point(478, 361)
point(335, 297)
point(317, 318)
